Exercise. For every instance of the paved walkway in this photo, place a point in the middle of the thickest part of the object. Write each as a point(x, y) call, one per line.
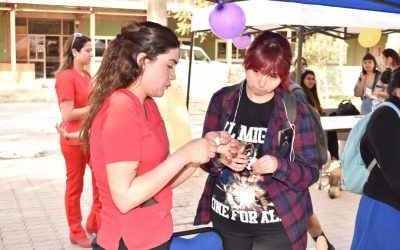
point(32, 183)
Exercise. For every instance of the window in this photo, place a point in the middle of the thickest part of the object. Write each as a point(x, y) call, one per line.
point(293, 36)
point(21, 26)
point(101, 43)
point(100, 47)
point(21, 47)
point(289, 34)
point(184, 41)
point(40, 26)
point(199, 56)
point(221, 50)
point(68, 27)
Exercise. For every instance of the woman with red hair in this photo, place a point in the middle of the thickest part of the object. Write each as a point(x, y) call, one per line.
point(258, 199)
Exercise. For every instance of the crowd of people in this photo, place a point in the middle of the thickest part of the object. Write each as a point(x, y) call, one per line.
point(260, 163)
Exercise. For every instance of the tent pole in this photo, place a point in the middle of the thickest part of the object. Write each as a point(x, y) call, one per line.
point(190, 69)
point(299, 54)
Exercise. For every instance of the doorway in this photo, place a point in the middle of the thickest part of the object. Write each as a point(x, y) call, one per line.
point(44, 52)
point(36, 54)
point(52, 61)
point(40, 42)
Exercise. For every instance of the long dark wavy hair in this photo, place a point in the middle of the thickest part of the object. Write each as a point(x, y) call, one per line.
point(394, 82)
point(393, 54)
point(119, 68)
point(270, 53)
point(312, 94)
point(386, 75)
point(79, 41)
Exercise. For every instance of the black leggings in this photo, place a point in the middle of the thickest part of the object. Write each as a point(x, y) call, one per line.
point(333, 145)
point(262, 242)
point(122, 246)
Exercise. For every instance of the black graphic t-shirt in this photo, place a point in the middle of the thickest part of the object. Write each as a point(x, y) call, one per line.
point(239, 200)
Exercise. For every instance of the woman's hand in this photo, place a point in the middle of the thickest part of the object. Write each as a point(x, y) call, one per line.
point(198, 150)
point(61, 131)
point(265, 165)
point(231, 151)
point(382, 94)
point(359, 88)
point(362, 77)
point(235, 159)
point(67, 135)
point(222, 140)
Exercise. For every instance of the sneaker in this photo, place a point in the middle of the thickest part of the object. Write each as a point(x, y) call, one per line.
point(91, 231)
point(81, 241)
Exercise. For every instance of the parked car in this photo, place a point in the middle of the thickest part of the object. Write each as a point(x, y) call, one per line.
point(207, 76)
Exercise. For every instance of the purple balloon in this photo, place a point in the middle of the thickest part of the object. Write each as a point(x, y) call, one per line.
point(227, 20)
point(242, 42)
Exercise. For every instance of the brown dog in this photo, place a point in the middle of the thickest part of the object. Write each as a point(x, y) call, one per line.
point(335, 181)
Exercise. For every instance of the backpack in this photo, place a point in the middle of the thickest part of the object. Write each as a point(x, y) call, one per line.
point(345, 107)
point(291, 110)
point(355, 172)
point(200, 238)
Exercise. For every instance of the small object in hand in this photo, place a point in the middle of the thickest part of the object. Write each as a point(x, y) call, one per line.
point(217, 141)
point(251, 162)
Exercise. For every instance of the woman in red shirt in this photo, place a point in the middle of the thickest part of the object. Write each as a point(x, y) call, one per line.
point(129, 147)
point(73, 85)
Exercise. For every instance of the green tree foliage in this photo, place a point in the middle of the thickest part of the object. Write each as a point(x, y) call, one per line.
point(325, 55)
point(184, 17)
point(322, 50)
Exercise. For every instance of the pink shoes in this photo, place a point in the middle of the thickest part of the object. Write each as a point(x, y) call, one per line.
point(81, 241)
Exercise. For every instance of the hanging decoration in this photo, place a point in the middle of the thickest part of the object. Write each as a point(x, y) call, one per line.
point(369, 37)
point(243, 41)
point(227, 20)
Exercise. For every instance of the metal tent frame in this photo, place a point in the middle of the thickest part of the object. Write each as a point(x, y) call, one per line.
point(383, 14)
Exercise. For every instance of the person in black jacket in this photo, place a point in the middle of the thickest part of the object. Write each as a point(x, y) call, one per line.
point(378, 216)
point(309, 84)
point(314, 227)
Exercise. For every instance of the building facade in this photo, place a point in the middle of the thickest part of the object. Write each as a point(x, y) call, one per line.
point(33, 32)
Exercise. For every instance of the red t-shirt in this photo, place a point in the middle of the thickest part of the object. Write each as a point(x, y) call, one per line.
point(71, 85)
point(121, 132)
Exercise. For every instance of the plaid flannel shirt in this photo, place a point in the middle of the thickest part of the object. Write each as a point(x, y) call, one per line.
point(288, 186)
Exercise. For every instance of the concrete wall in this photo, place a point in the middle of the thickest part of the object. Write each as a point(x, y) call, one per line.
point(355, 52)
point(3, 39)
point(103, 27)
point(25, 73)
point(173, 110)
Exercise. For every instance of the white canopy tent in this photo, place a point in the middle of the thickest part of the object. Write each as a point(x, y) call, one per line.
point(340, 22)
point(265, 14)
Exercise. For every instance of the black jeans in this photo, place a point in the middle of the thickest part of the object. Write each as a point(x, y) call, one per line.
point(333, 145)
point(261, 242)
point(122, 246)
